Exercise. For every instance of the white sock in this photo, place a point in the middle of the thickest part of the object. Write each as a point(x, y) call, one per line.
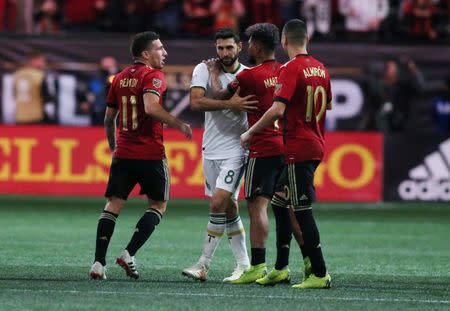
point(236, 237)
point(215, 229)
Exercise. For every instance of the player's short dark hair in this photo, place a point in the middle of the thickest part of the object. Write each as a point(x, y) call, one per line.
point(295, 31)
point(141, 41)
point(226, 33)
point(265, 33)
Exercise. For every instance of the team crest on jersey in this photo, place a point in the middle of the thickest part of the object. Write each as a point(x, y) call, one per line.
point(156, 83)
point(278, 87)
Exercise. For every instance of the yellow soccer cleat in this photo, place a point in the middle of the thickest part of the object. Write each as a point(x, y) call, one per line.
point(275, 277)
point(251, 275)
point(315, 282)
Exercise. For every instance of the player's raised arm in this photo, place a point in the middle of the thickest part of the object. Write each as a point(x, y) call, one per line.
point(218, 90)
point(156, 111)
point(273, 114)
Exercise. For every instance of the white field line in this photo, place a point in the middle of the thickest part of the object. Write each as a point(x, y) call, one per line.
point(368, 299)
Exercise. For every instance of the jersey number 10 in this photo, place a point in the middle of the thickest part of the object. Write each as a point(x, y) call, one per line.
point(312, 98)
point(134, 119)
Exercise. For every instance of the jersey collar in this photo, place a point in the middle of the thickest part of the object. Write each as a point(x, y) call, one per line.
point(233, 72)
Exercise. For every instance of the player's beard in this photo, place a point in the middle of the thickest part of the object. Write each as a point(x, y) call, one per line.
point(228, 61)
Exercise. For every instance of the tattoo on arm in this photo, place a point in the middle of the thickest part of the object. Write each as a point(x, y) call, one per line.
point(110, 128)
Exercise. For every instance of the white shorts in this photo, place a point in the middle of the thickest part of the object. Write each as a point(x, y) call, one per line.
point(224, 174)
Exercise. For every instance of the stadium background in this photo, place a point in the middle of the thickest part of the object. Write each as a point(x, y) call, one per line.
point(385, 243)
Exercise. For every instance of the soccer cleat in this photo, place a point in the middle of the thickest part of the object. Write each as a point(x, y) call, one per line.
point(307, 270)
point(128, 264)
point(98, 271)
point(198, 271)
point(246, 276)
point(236, 274)
point(315, 282)
point(275, 277)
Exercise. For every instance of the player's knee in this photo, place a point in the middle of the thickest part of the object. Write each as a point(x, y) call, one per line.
point(232, 210)
point(114, 205)
point(160, 206)
point(218, 204)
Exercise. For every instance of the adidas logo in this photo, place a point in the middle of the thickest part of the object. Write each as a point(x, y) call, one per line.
point(430, 180)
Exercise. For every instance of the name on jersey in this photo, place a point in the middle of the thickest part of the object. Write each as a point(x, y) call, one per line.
point(130, 82)
point(314, 72)
point(270, 82)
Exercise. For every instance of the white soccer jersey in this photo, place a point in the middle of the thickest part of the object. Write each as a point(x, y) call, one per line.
point(223, 128)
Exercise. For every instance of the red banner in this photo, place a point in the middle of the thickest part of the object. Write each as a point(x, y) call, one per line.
point(75, 161)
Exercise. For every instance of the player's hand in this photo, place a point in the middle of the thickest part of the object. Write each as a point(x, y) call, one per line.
point(213, 66)
point(245, 139)
point(243, 103)
point(186, 130)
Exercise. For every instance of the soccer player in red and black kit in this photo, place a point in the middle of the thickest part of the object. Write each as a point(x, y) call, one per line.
point(136, 97)
point(302, 96)
point(264, 169)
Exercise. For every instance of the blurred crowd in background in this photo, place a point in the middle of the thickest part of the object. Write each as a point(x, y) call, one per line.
point(395, 92)
point(374, 20)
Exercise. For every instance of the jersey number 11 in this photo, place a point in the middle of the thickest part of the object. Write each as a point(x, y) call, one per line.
point(134, 119)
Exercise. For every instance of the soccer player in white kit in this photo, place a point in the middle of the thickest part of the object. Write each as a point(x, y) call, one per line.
point(223, 156)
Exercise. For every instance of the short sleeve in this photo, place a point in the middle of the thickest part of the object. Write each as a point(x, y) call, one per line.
point(154, 82)
point(111, 99)
point(200, 76)
point(286, 83)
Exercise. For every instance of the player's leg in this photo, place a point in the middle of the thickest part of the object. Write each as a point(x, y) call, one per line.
point(260, 179)
point(259, 228)
point(302, 195)
point(280, 273)
point(120, 184)
point(217, 221)
point(153, 177)
point(297, 233)
point(228, 182)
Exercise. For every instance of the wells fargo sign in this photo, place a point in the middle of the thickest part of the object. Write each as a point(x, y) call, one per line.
point(75, 161)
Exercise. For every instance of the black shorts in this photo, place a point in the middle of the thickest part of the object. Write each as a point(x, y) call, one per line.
point(261, 175)
point(152, 175)
point(282, 181)
point(301, 183)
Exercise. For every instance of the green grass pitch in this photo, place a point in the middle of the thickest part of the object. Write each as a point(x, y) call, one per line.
point(380, 256)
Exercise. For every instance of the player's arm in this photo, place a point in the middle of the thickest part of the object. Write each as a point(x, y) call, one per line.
point(218, 91)
point(110, 126)
point(273, 114)
point(157, 112)
point(199, 102)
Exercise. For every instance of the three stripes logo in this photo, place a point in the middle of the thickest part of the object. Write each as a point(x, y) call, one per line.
point(430, 180)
